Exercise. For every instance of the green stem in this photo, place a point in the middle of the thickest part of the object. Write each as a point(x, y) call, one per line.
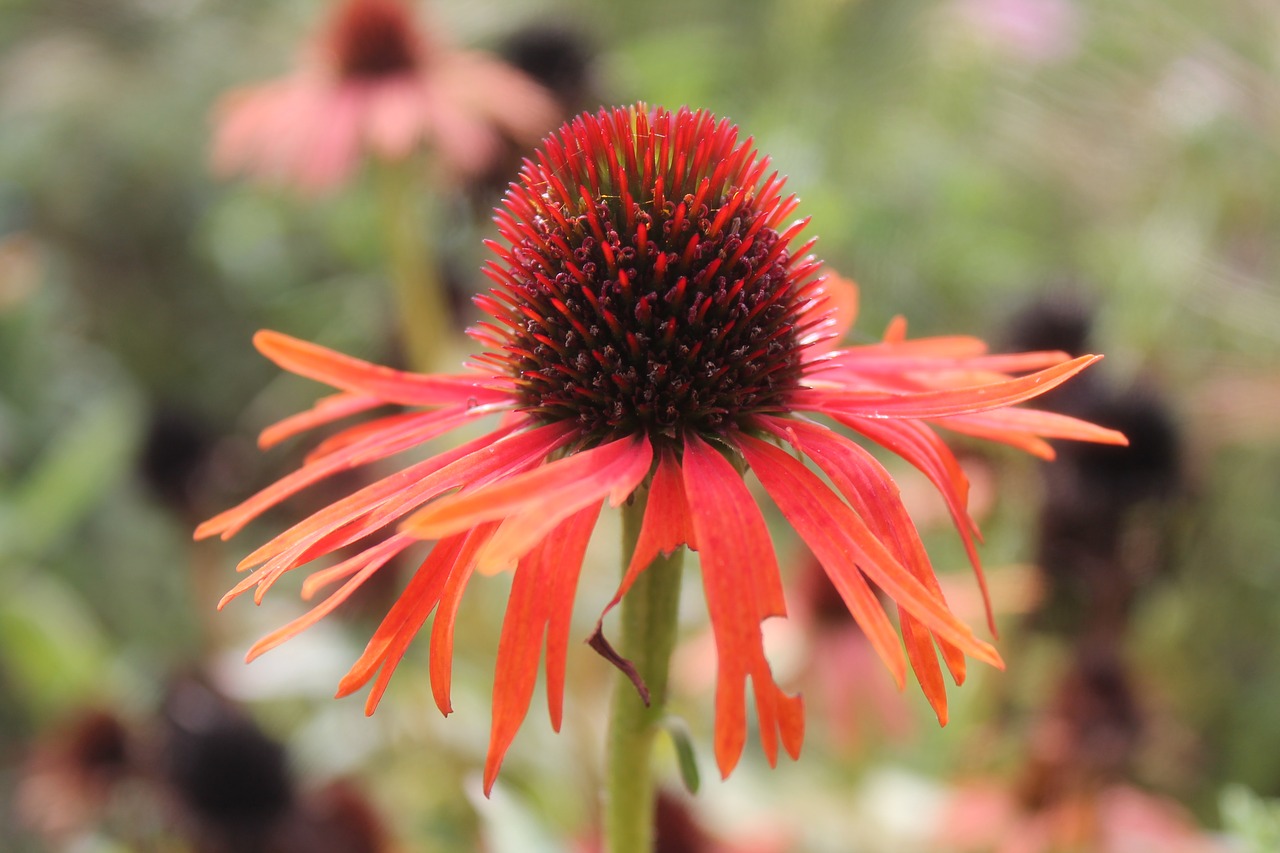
point(649, 620)
point(422, 311)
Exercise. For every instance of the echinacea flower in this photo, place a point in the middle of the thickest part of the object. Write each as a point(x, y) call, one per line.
point(653, 323)
point(375, 82)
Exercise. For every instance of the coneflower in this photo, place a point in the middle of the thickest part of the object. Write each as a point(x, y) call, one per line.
point(375, 82)
point(656, 328)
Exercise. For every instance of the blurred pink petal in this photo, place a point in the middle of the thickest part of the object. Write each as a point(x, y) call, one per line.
point(372, 82)
point(986, 816)
point(1031, 30)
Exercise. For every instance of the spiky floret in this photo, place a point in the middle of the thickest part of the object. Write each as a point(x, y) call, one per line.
point(645, 283)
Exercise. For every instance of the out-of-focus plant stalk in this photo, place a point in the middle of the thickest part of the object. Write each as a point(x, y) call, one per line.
point(422, 309)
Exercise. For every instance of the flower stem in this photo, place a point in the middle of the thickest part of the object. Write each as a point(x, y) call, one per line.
point(426, 323)
point(649, 621)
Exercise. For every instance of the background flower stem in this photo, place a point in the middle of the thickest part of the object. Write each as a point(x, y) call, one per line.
point(650, 612)
point(422, 310)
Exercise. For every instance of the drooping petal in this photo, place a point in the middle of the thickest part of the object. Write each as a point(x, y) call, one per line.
point(406, 617)
point(519, 648)
point(943, 403)
point(605, 470)
point(326, 410)
point(565, 549)
point(844, 545)
point(464, 140)
point(394, 121)
point(945, 357)
point(237, 116)
point(924, 663)
point(665, 527)
point(870, 490)
point(360, 377)
point(742, 587)
point(384, 502)
point(1023, 428)
point(918, 444)
point(857, 596)
point(503, 96)
point(405, 434)
point(331, 149)
point(541, 603)
point(519, 532)
point(369, 562)
point(441, 665)
point(493, 454)
point(298, 104)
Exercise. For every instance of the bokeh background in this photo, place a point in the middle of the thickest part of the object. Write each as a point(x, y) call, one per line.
point(1101, 175)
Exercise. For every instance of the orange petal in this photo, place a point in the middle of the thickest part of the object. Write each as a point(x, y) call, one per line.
point(360, 377)
point(495, 454)
point(924, 663)
point(404, 435)
point(405, 618)
point(943, 403)
point(326, 410)
point(373, 559)
point(918, 444)
point(541, 602)
point(447, 614)
point(1015, 426)
point(840, 539)
point(739, 577)
point(597, 471)
point(871, 491)
point(521, 532)
point(665, 527)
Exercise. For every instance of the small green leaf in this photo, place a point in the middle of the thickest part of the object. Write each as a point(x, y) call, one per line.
point(685, 756)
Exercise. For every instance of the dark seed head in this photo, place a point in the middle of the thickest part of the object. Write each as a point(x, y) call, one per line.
point(643, 282)
point(229, 774)
point(374, 38)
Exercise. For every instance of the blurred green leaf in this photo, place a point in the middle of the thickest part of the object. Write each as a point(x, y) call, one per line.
point(79, 466)
point(50, 643)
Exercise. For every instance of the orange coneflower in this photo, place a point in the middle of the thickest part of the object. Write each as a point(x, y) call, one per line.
point(652, 323)
point(376, 82)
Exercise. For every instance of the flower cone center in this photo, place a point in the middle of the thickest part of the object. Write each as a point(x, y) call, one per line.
point(374, 38)
point(634, 309)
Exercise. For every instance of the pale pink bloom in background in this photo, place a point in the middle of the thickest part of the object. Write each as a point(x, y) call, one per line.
point(1031, 30)
point(375, 82)
point(1115, 819)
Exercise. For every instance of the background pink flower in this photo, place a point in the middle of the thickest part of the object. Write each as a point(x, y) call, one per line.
point(376, 82)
